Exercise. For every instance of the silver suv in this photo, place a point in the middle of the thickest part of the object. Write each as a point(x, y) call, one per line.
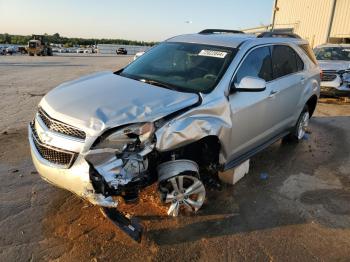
point(334, 60)
point(189, 107)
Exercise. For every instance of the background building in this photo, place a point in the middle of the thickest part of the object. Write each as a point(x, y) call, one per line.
point(318, 21)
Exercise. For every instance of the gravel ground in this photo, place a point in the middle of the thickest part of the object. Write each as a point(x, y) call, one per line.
point(300, 213)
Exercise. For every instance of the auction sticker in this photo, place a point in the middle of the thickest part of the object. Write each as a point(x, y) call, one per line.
point(212, 53)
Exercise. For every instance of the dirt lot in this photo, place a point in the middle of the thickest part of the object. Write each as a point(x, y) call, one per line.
point(300, 213)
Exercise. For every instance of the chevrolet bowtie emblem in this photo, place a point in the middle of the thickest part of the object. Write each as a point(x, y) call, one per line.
point(45, 137)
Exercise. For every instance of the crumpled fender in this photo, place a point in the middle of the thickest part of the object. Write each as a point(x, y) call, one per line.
point(208, 119)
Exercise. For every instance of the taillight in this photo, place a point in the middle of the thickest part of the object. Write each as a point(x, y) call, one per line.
point(321, 74)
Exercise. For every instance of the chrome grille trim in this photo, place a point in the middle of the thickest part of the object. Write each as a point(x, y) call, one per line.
point(56, 156)
point(329, 75)
point(60, 127)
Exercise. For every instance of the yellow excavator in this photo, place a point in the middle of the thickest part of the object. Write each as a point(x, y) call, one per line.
point(39, 46)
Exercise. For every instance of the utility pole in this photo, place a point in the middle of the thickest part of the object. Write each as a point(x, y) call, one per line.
point(275, 9)
point(330, 20)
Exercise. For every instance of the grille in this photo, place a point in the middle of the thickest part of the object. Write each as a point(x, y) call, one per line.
point(53, 155)
point(329, 75)
point(60, 127)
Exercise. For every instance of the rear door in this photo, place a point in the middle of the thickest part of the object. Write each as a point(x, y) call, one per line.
point(286, 87)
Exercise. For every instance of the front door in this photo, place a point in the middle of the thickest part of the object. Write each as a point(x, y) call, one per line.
point(249, 110)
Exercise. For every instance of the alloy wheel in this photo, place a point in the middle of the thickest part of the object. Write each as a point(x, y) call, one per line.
point(185, 193)
point(303, 124)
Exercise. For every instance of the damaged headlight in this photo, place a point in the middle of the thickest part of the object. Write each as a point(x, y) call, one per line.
point(129, 135)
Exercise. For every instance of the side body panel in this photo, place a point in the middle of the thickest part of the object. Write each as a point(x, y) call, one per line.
point(236, 118)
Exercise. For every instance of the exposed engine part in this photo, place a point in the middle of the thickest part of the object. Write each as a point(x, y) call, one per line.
point(118, 171)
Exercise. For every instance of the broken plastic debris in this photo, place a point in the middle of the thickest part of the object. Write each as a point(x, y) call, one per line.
point(100, 200)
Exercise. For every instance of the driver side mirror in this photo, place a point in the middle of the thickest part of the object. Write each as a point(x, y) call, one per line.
point(249, 84)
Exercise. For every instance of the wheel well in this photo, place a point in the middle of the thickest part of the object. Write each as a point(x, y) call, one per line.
point(205, 152)
point(311, 104)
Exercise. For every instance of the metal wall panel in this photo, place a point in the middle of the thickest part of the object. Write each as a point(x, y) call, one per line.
point(309, 18)
point(341, 21)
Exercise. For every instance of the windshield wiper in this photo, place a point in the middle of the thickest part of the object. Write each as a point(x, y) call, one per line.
point(157, 83)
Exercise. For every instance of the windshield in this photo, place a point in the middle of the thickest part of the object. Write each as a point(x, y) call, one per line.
point(182, 66)
point(333, 53)
point(32, 44)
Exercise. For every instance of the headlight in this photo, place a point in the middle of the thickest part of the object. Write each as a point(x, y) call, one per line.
point(132, 134)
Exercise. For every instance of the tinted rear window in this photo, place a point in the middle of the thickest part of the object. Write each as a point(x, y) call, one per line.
point(285, 61)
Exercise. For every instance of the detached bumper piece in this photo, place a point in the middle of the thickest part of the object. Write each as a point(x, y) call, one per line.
point(131, 227)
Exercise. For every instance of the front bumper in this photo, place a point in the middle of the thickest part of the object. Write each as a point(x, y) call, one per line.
point(75, 179)
point(338, 86)
point(342, 90)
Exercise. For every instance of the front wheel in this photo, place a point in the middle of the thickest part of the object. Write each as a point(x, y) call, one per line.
point(183, 192)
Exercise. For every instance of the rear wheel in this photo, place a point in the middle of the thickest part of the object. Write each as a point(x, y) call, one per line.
point(301, 126)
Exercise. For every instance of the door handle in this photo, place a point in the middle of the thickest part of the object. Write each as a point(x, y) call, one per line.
point(273, 93)
point(302, 80)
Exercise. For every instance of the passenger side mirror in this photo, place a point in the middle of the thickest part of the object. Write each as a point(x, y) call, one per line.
point(249, 84)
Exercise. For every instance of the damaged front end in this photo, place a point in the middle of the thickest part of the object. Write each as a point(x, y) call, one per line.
point(119, 161)
point(119, 166)
point(124, 161)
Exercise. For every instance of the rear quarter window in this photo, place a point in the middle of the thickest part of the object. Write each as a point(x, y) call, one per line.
point(308, 51)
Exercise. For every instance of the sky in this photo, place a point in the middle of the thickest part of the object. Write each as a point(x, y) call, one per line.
point(151, 20)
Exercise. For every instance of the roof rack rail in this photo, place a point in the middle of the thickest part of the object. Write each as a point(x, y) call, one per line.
point(220, 31)
point(278, 34)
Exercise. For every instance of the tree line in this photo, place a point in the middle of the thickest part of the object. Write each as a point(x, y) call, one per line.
point(69, 41)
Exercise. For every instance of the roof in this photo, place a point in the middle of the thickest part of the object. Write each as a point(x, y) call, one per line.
point(230, 40)
point(227, 40)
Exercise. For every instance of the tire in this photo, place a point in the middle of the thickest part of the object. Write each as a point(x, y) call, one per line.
point(299, 130)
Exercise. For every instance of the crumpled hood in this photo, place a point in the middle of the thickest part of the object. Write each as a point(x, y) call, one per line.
point(105, 100)
point(333, 65)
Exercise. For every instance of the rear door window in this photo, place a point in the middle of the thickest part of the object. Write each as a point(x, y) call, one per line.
point(285, 61)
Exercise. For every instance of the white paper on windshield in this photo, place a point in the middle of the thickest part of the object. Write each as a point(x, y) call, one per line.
point(212, 53)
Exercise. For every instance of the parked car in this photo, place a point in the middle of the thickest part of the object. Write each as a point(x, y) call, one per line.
point(334, 60)
point(63, 50)
point(84, 51)
point(186, 109)
point(138, 54)
point(22, 50)
point(11, 50)
point(2, 50)
point(121, 51)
